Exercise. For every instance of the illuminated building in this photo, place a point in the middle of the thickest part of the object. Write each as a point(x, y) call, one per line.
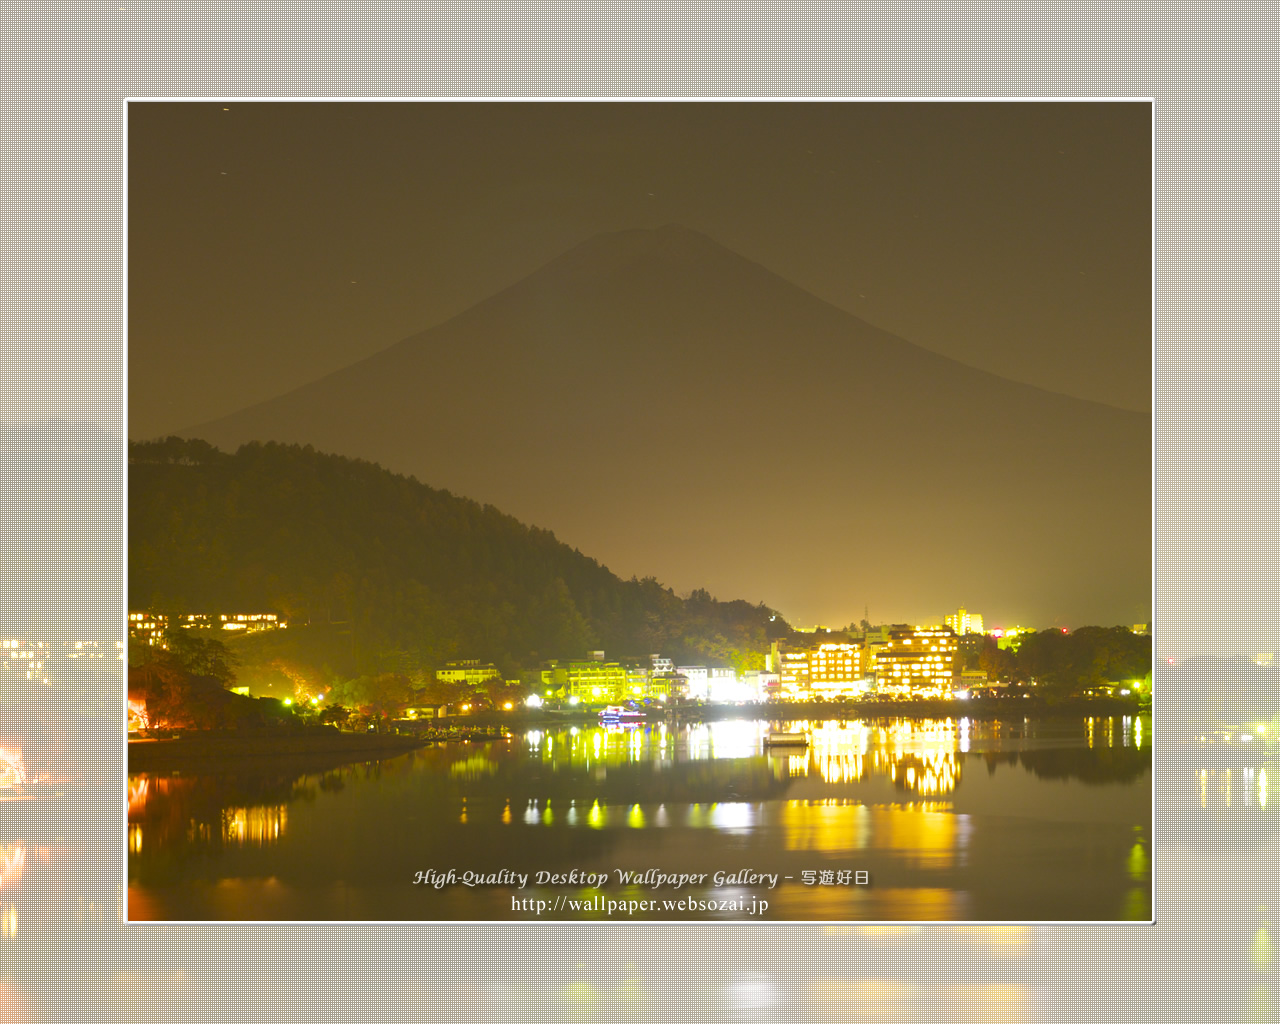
point(964, 621)
point(918, 661)
point(820, 671)
point(418, 711)
point(472, 672)
point(766, 682)
point(793, 672)
point(149, 627)
point(972, 677)
point(724, 687)
point(668, 687)
point(638, 675)
point(1009, 639)
point(592, 680)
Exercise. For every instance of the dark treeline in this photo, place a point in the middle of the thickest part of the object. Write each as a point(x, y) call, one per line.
point(390, 575)
point(1066, 662)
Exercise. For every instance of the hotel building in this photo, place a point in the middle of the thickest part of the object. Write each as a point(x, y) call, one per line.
point(821, 671)
point(471, 672)
point(592, 680)
point(920, 661)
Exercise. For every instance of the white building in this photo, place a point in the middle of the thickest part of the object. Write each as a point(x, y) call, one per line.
point(965, 621)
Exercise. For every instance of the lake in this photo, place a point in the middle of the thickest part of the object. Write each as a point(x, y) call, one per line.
point(885, 819)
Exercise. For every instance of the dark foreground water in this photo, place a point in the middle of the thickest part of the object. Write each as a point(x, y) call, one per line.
point(877, 820)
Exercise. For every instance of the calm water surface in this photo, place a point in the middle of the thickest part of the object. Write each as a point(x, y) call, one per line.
point(950, 819)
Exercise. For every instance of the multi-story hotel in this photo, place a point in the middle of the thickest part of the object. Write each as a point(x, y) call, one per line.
point(821, 671)
point(922, 661)
point(471, 672)
point(592, 680)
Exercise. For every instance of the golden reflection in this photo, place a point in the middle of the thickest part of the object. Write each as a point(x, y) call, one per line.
point(143, 788)
point(635, 817)
point(825, 825)
point(1137, 905)
point(930, 835)
point(477, 766)
point(138, 794)
point(135, 839)
point(258, 825)
point(1262, 788)
point(796, 766)
point(1138, 864)
point(12, 860)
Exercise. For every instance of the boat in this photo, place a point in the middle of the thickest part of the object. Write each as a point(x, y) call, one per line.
point(616, 712)
point(775, 738)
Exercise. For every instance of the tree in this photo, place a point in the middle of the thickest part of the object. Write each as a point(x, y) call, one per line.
point(200, 653)
point(376, 698)
point(177, 698)
point(997, 662)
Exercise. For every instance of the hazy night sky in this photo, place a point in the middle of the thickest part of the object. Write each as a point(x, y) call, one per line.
point(272, 244)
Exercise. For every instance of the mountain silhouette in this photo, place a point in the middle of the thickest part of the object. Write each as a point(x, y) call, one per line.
point(675, 409)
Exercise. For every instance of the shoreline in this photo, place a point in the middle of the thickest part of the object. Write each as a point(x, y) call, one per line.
point(318, 747)
point(226, 749)
point(986, 708)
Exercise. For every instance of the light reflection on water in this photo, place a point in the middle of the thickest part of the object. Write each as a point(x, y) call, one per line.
point(938, 810)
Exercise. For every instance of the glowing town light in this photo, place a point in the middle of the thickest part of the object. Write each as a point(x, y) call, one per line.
point(533, 701)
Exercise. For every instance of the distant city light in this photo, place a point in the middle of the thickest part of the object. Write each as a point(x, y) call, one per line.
point(534, 701)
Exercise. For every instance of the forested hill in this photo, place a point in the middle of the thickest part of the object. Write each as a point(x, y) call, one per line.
point(405, 575)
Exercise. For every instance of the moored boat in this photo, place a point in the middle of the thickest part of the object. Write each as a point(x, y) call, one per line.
point(617, 712)
point(776, 738)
